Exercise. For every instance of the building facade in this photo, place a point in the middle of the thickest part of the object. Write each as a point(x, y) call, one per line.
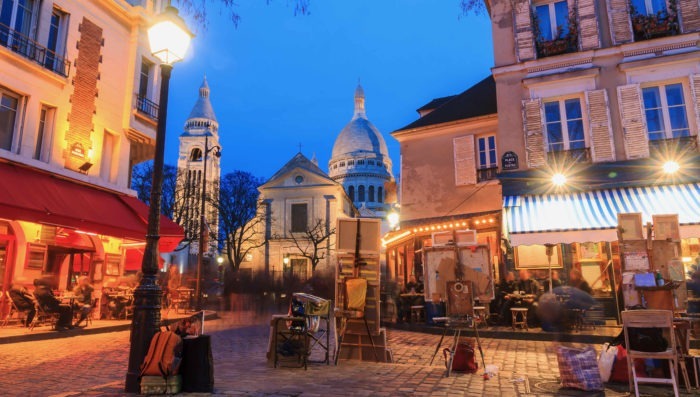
point(448, 168)
point(201, 134)
point(77, 83)
point(360, 162)
point(298, 199)
point(600, 94)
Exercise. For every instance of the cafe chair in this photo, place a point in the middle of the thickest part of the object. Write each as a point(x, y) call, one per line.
point(44, 317)
point(21, 315)
point(354, 301)
point(650, 319)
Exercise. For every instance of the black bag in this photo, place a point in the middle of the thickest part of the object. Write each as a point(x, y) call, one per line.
point(197, 368)
point(647, 340)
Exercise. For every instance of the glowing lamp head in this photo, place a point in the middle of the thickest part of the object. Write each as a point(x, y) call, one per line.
point(393, 219)
point(558, 179)
point(671, 167)
point(220, 260)
point(285, 260)
point(169, 37)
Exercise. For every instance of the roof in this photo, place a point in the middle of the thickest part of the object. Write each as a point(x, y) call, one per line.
point(478, 100)
point(202, 108)
point(435, 103)
point(299, 161)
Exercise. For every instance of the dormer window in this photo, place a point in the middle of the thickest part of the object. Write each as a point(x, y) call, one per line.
point(196, 154)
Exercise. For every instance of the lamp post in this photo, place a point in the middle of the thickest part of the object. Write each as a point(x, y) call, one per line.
point(169, 39)
point(202, 217)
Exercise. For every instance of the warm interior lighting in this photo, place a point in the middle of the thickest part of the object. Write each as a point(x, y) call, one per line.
point(285, 260)
point(558, 179)
point(670, 167)
point(686, 259)
point(169, 37)
point(393, 219)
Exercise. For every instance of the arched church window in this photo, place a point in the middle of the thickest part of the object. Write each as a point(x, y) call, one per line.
point(351, 193)
point(361, 193)
point(196, 154)
point(360, 162)
point(380, 194)
point(371, 194)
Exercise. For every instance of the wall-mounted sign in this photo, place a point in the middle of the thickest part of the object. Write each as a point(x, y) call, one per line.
point(77, 150)
point(509, 161)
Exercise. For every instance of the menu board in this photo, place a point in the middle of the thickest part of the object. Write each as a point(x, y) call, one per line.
point(636, 261)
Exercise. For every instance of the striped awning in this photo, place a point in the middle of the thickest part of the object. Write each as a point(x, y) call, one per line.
point(592, 215)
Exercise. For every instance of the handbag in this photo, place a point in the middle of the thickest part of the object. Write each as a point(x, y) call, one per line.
point(606, 360)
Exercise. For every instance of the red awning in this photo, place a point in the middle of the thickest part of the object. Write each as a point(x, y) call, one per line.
point(37, 196)
point(134, 257)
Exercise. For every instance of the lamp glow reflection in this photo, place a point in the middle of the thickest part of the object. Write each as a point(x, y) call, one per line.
point(559, 179)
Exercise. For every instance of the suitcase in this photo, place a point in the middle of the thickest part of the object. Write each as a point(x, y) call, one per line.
point(159, 385)
point(197, 368)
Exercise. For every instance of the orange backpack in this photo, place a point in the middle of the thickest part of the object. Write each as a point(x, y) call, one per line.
point(164, 355)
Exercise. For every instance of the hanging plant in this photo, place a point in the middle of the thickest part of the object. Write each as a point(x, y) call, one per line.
point(650, 26)
point(563, 42)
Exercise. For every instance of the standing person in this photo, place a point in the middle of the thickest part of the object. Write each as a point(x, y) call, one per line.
point(50, 303)
point(24, 300)
point(576, 280)
point(83, 299)
point(174, 280)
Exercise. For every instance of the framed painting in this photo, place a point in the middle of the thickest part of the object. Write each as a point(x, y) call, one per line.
point(535, 257)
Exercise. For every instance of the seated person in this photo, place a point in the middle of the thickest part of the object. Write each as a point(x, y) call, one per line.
point(527, 291)
point(505, 288)
point(51, 304)
point(83, 299)
point(576, 280)
point(405, 302)
point(24, 301)
point(556, 281)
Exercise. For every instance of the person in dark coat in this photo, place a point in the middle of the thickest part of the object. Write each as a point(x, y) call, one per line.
point(83, 299)
point(24, 301)
point(51, 304)
point(576, 280)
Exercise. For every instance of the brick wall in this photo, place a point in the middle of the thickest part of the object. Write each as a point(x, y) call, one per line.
point(80, 119)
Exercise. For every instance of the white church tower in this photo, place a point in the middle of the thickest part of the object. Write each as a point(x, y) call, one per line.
point(201, 134)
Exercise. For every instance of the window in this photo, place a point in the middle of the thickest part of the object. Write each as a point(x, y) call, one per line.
point(196, 154)
point(553, 20)
point(487, 152)
point(361, 193)
point(299, 218)
point(380, 195)
point(664, 108)
point(20, 16)
point(564, 125)
point(648, 7)
point(145, 78)
point(351, 193)
point(360, 162)
point(56, 43)
point(8, 115)
point(43, 134)
point(371, 194)
point(351, 162)
point(108, 156)
point(298, 268)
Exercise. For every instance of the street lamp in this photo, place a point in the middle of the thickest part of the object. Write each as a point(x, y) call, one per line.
point(169, 39)
point(393, 219)
point(202, 218)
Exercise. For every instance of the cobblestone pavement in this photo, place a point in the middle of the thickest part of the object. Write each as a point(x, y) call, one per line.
point(95, 365)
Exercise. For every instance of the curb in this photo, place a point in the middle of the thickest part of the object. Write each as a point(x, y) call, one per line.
point(32, 337)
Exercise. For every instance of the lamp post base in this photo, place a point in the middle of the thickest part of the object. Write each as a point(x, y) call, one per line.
point(146, 322)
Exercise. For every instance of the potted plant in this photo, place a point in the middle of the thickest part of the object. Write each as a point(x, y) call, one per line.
point(648, 26)
point(563, 42)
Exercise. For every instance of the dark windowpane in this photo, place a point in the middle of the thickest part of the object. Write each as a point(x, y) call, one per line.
point(8, 113)
point(351, 193)
point(361, 193)
point(380, 195)
point(371, 194)
point(299, 218)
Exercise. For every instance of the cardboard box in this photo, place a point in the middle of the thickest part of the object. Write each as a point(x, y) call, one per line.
point(161, 385)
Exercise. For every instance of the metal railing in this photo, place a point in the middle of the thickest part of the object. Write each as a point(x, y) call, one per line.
point(570, 156)
point(486, 174)
point(683, 143)
point(147, 107)
point(30, 49)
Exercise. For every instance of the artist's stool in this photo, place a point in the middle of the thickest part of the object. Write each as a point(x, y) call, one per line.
point(522, 312)
point(480, 314)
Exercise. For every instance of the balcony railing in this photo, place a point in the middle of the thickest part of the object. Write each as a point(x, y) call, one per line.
point(486, 174)
point(675, 145)
point(30, 49)
point(147, 107)
point(569, 156)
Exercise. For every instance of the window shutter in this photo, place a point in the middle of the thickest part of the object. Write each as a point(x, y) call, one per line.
point(534, 134)
point(465, 164)
point(602, 147)
point(524, 40)
point(588, 25)
point(633, 123)
point(690, 15)
point(620, 24)
point(695, 93)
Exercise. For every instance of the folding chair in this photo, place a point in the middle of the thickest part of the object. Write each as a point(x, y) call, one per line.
point(662, 319)
point(354, 301)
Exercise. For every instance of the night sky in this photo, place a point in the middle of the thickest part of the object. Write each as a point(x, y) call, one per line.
point(280, 80)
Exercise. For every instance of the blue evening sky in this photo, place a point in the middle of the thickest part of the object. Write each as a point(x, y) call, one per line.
point(279, 80)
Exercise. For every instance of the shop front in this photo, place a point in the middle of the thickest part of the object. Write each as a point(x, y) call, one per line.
point(582, 230)
point(57, 228)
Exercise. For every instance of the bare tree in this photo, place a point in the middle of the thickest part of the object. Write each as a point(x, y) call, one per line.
point(199, 9)
point(311, 243)
point(142, 182)
point(241, 218)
